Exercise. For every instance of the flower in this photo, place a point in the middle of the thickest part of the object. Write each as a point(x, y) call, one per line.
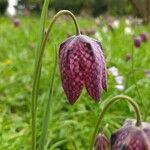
point(101, 143)
point(128, 56)
point(131, 137)
point(144, 37)
point(98, 36)
point(127, 21)
point(120, 87)
point(114, 71)
point(82, 63)
point(105, 29)
point(119, 79)
point(7, 61)
point(128, 30)
point(113, 25)
point(16, 22)
point(137, 41)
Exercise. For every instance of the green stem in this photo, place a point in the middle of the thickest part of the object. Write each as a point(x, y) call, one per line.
point(35, 83)
point(38, 67)
point(114, 99)
point(48, 112)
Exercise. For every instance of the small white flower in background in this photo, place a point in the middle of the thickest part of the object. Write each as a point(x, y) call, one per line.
point(120, 87)
point(98, 36)
point(105, 29)
point(97, 21)
point(119, 79)
point(114, 71)
point(128, 22)
point(128, 30)
point(116, 24)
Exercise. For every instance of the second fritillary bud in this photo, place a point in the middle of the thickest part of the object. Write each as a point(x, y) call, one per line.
point(131, 137)
point(101, 142)
point(82, 63)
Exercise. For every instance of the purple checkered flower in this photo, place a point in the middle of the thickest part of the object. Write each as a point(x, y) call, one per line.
point(82, 63)
point(130, 137)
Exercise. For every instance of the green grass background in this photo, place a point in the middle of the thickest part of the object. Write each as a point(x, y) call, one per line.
point(71, 127)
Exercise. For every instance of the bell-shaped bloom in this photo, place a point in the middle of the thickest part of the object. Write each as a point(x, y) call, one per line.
point(101, 142)
point(131, 137)
point(144, 37)
point(137, 41)
point(82, 63)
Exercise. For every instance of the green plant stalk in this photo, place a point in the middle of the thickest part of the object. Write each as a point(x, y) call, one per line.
point(106, 107)
point(38, 67)
point(136, 85)
point(35, 83)
point(48, 112)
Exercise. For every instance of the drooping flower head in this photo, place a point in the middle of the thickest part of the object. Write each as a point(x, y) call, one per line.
point(101, 143)
point(82, 63)
point(131, 137)
point(16, 22)
point(144, 37)
point(137, 41)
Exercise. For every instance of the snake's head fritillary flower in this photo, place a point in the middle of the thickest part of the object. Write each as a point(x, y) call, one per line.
point(16, 22)
point(137, 41)
point(101, 143)
point(144, 37)
point(82, 63)
point(131, 137)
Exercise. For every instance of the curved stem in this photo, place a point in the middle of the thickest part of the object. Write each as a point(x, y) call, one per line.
point(106, 107)
point(38, 66)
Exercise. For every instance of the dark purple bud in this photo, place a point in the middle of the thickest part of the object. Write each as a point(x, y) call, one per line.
point(101, 143)
point(16, 22)
point(144, 37)
point(131, 137)
point(137, 41)
point(128, 57)
point(82, 63)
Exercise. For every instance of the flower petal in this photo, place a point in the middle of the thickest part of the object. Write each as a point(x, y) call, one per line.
point(72, 79)
point(93, 73)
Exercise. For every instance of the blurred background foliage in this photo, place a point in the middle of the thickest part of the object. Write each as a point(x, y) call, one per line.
point(94, 7)
point(140, 8)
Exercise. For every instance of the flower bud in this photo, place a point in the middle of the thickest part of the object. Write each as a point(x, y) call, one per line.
point(144, 37)
point(101, 142)
point(16, 22)
point(137, 42)
point(82, 63)
point(131, 137)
